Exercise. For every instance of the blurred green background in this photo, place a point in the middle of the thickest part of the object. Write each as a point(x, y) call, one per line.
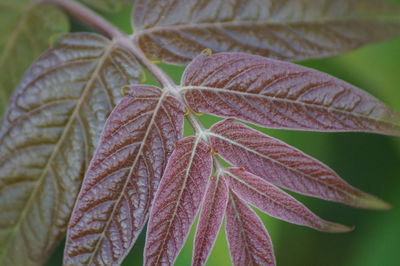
point(369, 162)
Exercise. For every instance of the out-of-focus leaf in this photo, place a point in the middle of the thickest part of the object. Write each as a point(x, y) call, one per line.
point(211, 215)
point(113, 204)
point(25, 32)
point(108, 5)
point(284, 165)
point(249, 242)
point(48, 136)
point(275, 202)
point(177, 200)
point(278, 94)
point(175, 31)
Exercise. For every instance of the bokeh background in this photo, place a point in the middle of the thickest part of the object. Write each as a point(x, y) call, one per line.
point(369, 162)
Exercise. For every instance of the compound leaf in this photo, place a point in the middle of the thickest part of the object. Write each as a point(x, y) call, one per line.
point(175, 31)
point(177, 200)
point(284, 165)
point(278, 94)
point(211, 215)
point(118, 188)
point(26, 30)
point(249, 242)
point(275, 202)
point(48, 136)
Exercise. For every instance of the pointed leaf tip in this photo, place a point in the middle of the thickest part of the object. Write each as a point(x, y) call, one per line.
point(338, 228)
point(371, 202)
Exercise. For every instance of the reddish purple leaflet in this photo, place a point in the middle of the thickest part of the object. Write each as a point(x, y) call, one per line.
point(275, 202)
point(249, 242)
point(118, 188)
point(284, 165)
point(278, 94)
point(177, 200)
point(210, 220)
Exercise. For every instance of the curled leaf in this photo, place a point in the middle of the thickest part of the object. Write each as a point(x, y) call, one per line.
point(275, 202)
point(249, 242)
point(48, 136)
point(119, 186)
point(210, 219)
point(175, 31)
point(177, 200)
point(284, 165)
point(278, 94)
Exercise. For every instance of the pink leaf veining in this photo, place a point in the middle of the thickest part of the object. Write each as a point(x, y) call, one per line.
point(275, 202)
point(177, 200)
point(284, 165)
point(249, 242)
point(278, 94)
point(123, 176)
point(210, 220)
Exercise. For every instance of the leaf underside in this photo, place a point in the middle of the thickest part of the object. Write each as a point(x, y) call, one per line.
point(48, 136)
point(123, 176)
point(284, 165)
point(249, 242)
point(177, 200)
point(210, 219)
point(25, 30)
point(275, 202)
point(278, 94)
point(175, 31)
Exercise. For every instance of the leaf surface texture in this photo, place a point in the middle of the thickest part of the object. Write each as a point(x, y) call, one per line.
point(177, 200)
point(249, 242)
point(275, 202)
point(119, 186)
point(210, 219)
point(175, 31)
point(48, 136)
point(278, 94)
point(26, 30)
point(284, 165)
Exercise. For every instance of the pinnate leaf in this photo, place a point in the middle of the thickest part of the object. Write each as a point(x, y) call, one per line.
point(211, 215)
point(175, 31)
point(47, 137)
point(278, 94)
point(177, 200)
point(284, 165)
point(119, 186)
point(275, 202)
point(249, 242)
point(26, 29)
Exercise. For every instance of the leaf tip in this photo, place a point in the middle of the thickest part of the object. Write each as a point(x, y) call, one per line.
point(338, 228)
point(367, 201)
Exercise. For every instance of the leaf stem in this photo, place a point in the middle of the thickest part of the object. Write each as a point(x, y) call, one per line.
point(99, 24)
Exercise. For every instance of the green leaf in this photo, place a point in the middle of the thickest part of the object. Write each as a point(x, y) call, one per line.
point(175, 31)
point(48, 136)
point(108, 5)
point(26, 30)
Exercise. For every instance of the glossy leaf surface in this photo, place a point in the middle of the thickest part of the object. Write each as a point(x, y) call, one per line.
point(177, 200)
point(210, 219)
point(249, 242)
point(26, 30)
point(48, 136)
point(275, 202)
point(278, 94)
point(175, 31)
point(113, 204)
point(284, 165)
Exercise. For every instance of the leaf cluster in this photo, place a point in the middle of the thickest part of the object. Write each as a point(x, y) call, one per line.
point(89, 151)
